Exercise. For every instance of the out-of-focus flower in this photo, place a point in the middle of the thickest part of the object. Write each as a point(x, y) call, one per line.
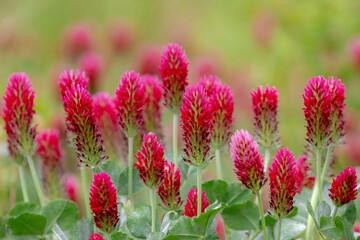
point(71, 77)
point(283, 183)
point(129, 101)
point(149, 60)
point(356, 228)
point(220, 227)
point(191, 203)
point(354, 51)
point(248, 162)
point(210, 83)
point(173, 70)
point(17, 112)
point(264, 106)
point(169, 189)
point(122, 36)
point(96, 236)
point(317, 102)
point(343, 188)
point(81, 121)
point(207, 65)
point(197, 124)
point(72, 189)
point(92, 64)
point(263, 28)
point(304, 180)
point(152, 104)
point(151, 161)
point(78, 39)
point(103, 202)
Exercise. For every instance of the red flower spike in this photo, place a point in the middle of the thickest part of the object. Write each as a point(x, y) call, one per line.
point(317, 102)
point(197, 125)
point(151, 161)
point(96, 236)
point(70, 77)
point(152, 99)
point(283, 183)
point(173, 70)
point(72, 189)
point(264, 106)
point(149, 60)
point(103, 202)
point(130, 104)
point(17, 112)
point(169, 189)
point(248, 162)
point(191, 203)
point(343, 188)
point(78, 39)
point(122, 36)
point(302, 166)
point(81, 121)
point(92, 64)
point(210, 83)
point(337, 92)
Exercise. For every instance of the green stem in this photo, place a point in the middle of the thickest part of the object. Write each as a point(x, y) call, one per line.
point(326, 166)
point(85, 191)
point(262, 215)
point(199, 191)
point(107, 236)
point(279, 230)
point(153, 208)
point(314, 201)
point(218, 164)
point(131, 156)
point(175, 134)
point(36, 180)
point(334, 213)
point(318, 172)
point(23, 184)
point(267, 158)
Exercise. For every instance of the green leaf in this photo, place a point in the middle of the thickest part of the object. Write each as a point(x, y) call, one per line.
point(221, 191)
point(186, 170)
point(139, 221)
point(168, 221)
point(155, 236)
point(22, 207)
point(112, 169)
point(27, 224)
point(82, 229)
point(237, 235)
point(348, 211)
point(63, 212)
point(123, 187)
point(346, 227)
point(242, 216)
point(329, 229)
point(270, 221)
point(2, 227)
point(289, 229)
point(323, 209)
point(301, 204)
point(120, 236)
point(312, 214)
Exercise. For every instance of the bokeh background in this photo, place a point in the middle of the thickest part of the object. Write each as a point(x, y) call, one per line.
point(245, 43)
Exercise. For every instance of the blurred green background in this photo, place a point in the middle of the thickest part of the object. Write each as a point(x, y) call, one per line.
point(246, 43)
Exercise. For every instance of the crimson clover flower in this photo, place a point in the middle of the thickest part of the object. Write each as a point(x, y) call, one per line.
point(304, 179)
point(92, 64)
point(169, 189)
point(151, 161)
point(152, 103)
point(248, 162)
point(173, 70)
point(103, 202)
point(78, 39)
point(210, 83)
point(343, 188)
point(129, 101)
point(283, 183)
point(197, 124)
point(18, 112)
point(191, 203)
point(70, 77)
point(149, 60)
point(264, 106)
point(96, 236)
point(81, 121)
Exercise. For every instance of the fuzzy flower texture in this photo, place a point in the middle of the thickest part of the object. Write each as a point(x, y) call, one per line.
point(96, 236)
point(169, 189)
point(248, 162)
point(191, 203)
point(103, 202)
point(343, 188)
point(18, 112)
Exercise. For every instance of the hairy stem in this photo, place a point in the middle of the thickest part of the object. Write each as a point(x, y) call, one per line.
point(262, 215)
point(279, 230)
point(199, 191)
point(314, 201)
point(218, 164)
point(318, 172)
point(131, 156)
point(23, 184)
point(267, 158)
point(36, 180)
point(153, 208)
point(334, 213)
point(326, 166)
point(85, 190)
point(175, 134)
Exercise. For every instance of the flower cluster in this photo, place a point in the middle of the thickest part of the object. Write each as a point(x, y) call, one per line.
point(103, 202)
point(264, 106)
point(130, 104)
point(248, 162)
point(169, 189)
point(17, 112)
point(191, 203)
point(197, 124)
point(68, 78)
point(173, 70)
point(210, 83)
point(151, 161)
point(343, 188)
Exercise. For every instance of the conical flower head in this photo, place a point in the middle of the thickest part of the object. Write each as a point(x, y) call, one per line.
point(96, 236)
point(103, 202)
point(302, 166)
point(92, 64)
point(173, 70)
point(169, 189)
point(210, 83)
point(248, 162)
point(264, 106)
point(191, 203)
point(81, 121)
point(337, 93)
point(152, 103)
point(151, 161)
point(283, 183)
point(17, 112)
point(70, 77)
point(343, 188)
point(317, 102)
point(197, 124)
point(130, 104)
